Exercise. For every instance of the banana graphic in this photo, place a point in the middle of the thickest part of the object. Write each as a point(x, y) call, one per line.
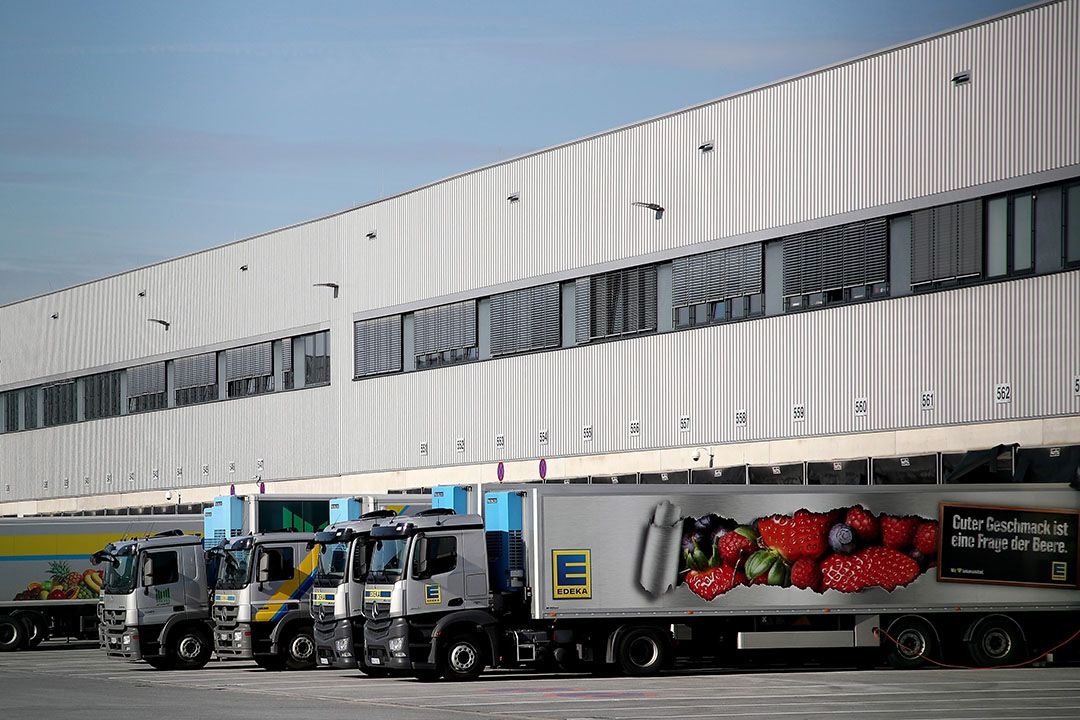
point(92, 581)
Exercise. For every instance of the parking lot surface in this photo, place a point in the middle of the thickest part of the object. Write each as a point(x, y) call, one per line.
point(79, 676)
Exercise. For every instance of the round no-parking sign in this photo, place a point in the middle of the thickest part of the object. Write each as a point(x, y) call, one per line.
point(501, 471)
point(543, 469)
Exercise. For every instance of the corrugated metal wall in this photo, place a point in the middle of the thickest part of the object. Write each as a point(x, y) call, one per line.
point(882, 130)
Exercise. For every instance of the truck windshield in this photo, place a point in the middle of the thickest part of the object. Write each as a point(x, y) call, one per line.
point(120, 576)
point(332, 564)
point(233, 571)
point(387, 559)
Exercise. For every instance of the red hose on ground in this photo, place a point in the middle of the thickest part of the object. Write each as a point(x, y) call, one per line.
point(1063, 643)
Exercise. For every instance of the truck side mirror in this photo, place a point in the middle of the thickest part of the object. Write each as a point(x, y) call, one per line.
point(262, 574)
point(420, 564)
point(147, 574)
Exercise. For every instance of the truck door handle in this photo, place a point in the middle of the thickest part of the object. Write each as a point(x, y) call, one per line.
point(455, 602)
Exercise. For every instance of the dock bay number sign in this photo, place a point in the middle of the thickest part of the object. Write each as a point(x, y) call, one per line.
point(1009, 546)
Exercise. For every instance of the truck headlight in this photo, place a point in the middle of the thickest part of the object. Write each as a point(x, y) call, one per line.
point(127, 640)
point(341, 645)
point(237, 636)
point(396, 645)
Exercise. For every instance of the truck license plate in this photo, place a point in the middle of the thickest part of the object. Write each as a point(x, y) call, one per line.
point(374, 661)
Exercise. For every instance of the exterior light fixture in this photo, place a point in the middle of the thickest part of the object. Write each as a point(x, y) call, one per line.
point(961, 78)
point(698, 452)
point(334, 286)
point(655, 207)
point(142, 293)
point(55, 315)
point(370, 235)
point(706, 146)
point(513, 197)
point(164, 323)
point(243, 268)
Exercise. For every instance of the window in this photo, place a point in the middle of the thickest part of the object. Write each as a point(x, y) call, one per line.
point(11, 410)
point(622, 302)
point(946, 244)
point(1072, 225)
point(718, 286)
point(59, 403)
point(445, 335)
point(249, 370)
point(146, 387)
point(101, 394)
point(525, 320)
point(30, 408)
point(846, 263)
point(997, 237)
point(1023, 232)
point(437, 557)
point(195, 379)
point(317, 358)
point(163, 567)
point(276, 564)
point(1010, 235)
point(377, 346)
point(288, 380)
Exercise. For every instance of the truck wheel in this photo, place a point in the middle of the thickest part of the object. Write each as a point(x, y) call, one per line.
point(189, 647)
point(642, 651)
point(12, 634)
point(298, 650)
point(914, 639)
point(995, 640)
point(462, 657)
point(37, 627)
point(160, 663)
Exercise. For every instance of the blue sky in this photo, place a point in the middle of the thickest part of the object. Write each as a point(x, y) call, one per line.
point(131, 132)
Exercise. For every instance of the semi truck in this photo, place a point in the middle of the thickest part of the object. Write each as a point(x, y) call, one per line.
point(629, 578)
point(157, 589)
point(338, 596)
point(47, 585)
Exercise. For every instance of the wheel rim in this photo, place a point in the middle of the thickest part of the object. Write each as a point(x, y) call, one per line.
point(8, 633)
point(997, 643)
point(190, 647)
point(462, 657)
point(911, 644)
point(643, 652)
point(301, 647)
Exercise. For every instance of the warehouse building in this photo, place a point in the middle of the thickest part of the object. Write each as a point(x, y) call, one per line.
point(855, 275)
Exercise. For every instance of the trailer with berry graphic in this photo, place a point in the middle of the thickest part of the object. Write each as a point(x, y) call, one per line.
point(634, 576)
point(47, 584)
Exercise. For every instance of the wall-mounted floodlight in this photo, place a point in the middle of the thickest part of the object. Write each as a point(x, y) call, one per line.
point(163, 323)
point(243, 268)
point(706, 146)
point(142, 293)
point(55, 316)
point(655, 207)
point(334, 286)
point(961, 78)
point(513, 197)
point(370, 235)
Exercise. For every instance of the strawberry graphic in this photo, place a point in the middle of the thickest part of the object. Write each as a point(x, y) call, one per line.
point(898, 532)
point(870, 567)
point(802, 535)
point(710, 583)
point(926, 538)
point(737, 544)
point(863, 523)
point(805, 574)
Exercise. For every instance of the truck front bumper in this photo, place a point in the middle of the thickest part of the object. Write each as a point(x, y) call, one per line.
point(233, 641)
point(386, 645)
point(334, 644)
point(121, 643)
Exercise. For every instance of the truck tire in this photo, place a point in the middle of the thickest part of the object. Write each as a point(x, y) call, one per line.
point(36, 625)
point(995, 640)
point(298, 649)
point(642, 651)
point(161, 663)
point(12, 634)
point(462, 656)
point(189, 647)
point(913, 639)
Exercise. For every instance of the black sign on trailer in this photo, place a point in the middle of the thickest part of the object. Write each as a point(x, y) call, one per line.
point(1009, 545)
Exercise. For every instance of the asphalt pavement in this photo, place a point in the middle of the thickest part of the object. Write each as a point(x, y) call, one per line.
point(57, 676)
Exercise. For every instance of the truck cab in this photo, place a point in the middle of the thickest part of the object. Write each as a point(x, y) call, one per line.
point(154, 601)
point(262, 600)
point(427, 603)
point(337, 601)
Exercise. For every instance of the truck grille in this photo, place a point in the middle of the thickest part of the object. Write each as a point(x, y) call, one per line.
point(225, 615)
point(113, 618)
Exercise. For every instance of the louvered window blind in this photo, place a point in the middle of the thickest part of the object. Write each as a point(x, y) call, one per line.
point(146, 379)
point(446, 327)
point(621, 302)
point(250, 361)
point(946, 243)
point(719, 275)
point(525, 320)
point(195, 371)
point(377, 346)
point(836, 258)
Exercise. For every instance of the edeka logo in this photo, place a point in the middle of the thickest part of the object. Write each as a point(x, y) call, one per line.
point(571, 575)
point(433, 594)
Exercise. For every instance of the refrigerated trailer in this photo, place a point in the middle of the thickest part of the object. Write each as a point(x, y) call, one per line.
point(47, 585)
point(632, 577)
